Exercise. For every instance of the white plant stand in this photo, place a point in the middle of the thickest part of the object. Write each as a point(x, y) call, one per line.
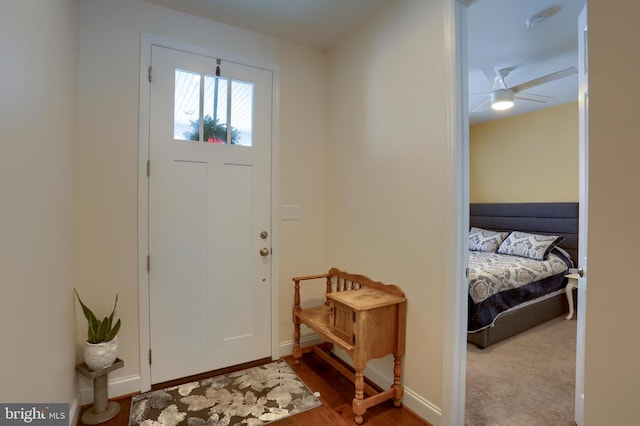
point(102, 409)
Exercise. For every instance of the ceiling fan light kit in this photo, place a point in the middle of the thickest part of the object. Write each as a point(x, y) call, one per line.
point(502, 99)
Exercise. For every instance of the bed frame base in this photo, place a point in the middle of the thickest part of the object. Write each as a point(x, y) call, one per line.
point(514, 322)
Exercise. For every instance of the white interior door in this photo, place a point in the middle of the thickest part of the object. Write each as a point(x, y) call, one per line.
point(583, 106)
point(209, 214)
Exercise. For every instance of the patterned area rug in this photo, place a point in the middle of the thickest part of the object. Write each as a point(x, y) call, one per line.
point(256, 396)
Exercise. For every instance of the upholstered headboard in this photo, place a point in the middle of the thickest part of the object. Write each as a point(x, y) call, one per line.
point(536, 218)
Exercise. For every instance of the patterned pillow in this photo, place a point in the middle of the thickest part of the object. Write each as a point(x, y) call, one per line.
point(485, 240)
point(533, 246)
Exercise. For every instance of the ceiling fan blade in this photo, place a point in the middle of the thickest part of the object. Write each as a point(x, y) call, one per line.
point(544, 79)
point(493, 75)
point(536, 96)
point(481, 106)
point(490, 73)
point(527, 98)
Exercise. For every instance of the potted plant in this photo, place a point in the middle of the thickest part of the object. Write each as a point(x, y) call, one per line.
point(101, 346)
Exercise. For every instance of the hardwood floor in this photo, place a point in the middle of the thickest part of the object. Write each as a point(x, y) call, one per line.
point(336, 393)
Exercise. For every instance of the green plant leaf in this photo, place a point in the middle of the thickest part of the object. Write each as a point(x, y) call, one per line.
point(91, 337)
point(93, 331)
point(99, 331)
point(113, 312)
point(87, 312)
point(113, 333)
point(93, 322)
point(102, 330)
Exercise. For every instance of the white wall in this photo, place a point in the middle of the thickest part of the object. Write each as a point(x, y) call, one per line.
point(386, 170)
point(38, 41)
point(612, 375)
point(107, 156)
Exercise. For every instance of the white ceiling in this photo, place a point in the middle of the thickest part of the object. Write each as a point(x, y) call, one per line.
point(498, 36)
point(315, 23)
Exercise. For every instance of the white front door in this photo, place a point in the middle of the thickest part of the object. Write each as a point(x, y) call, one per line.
point(209, 213)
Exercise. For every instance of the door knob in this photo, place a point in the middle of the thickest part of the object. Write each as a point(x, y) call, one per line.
point(581, 272)
point(264, 251)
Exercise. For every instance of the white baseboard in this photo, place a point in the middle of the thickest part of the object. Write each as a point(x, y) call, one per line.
point(117, 387)
point(413, 401)
point(286, 347)
point(422, 407)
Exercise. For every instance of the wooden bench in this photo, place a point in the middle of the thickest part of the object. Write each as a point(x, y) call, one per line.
point(364, 318)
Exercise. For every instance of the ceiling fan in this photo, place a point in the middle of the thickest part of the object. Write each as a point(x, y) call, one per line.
point(502, 96)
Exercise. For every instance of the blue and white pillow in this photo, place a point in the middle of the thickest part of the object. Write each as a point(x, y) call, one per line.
point(533, 246)
point(485, 240)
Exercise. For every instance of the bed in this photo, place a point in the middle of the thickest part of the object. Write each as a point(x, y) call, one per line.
point(499, 313)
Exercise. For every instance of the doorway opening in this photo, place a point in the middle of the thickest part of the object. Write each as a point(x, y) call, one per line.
point(462, 135)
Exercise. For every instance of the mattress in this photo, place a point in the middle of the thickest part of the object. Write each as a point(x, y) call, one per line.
point(499, 283)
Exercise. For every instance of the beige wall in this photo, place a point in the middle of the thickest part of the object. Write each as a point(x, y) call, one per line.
point(384, 188)
point(38, 41)
point(386, 170)
point(525, 158)
point(106, 223)
point(386, 159)
point(612, 376)
point(302, 171)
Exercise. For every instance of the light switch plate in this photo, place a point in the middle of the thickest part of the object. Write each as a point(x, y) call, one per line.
point(290, 212)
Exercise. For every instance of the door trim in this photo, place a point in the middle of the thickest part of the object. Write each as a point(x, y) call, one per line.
point(148, 40)
point(455, 321)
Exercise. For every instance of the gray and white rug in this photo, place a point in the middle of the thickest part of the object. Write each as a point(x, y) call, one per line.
point(255, 396)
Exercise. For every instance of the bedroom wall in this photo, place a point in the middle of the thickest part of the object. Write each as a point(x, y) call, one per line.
point(612, 376)
point(107, 155)
point(37, 111)
point(387, 164)
point(530, 157)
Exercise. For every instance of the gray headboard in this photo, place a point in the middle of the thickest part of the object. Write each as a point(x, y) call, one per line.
point(536, 218)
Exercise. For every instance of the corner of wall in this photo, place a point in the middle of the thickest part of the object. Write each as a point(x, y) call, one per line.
point(74, 411)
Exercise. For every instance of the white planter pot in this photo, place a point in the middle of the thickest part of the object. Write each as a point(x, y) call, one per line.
point(100, 355)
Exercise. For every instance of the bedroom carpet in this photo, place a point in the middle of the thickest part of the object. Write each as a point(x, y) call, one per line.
point(255, 396)
point(528, 379)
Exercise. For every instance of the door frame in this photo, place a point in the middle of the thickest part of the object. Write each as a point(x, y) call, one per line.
point(144, 320)
point(454, 366)
point(455, 330)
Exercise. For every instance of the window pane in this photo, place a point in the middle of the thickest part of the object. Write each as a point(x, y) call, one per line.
point(215, 109)
point(186, 113)
point(242, 113)
point(223, 101)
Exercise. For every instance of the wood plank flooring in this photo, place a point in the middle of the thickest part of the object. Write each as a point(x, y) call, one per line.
point(336, 393)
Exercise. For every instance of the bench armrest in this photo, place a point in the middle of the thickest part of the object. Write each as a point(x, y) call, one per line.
point(296, 295)
point(309, 277)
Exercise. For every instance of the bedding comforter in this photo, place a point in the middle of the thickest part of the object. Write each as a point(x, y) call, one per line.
point(499, 282)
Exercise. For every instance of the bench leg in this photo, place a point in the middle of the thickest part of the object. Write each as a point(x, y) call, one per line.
point(359, 407)
point(398, 389)
point(297, 351)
